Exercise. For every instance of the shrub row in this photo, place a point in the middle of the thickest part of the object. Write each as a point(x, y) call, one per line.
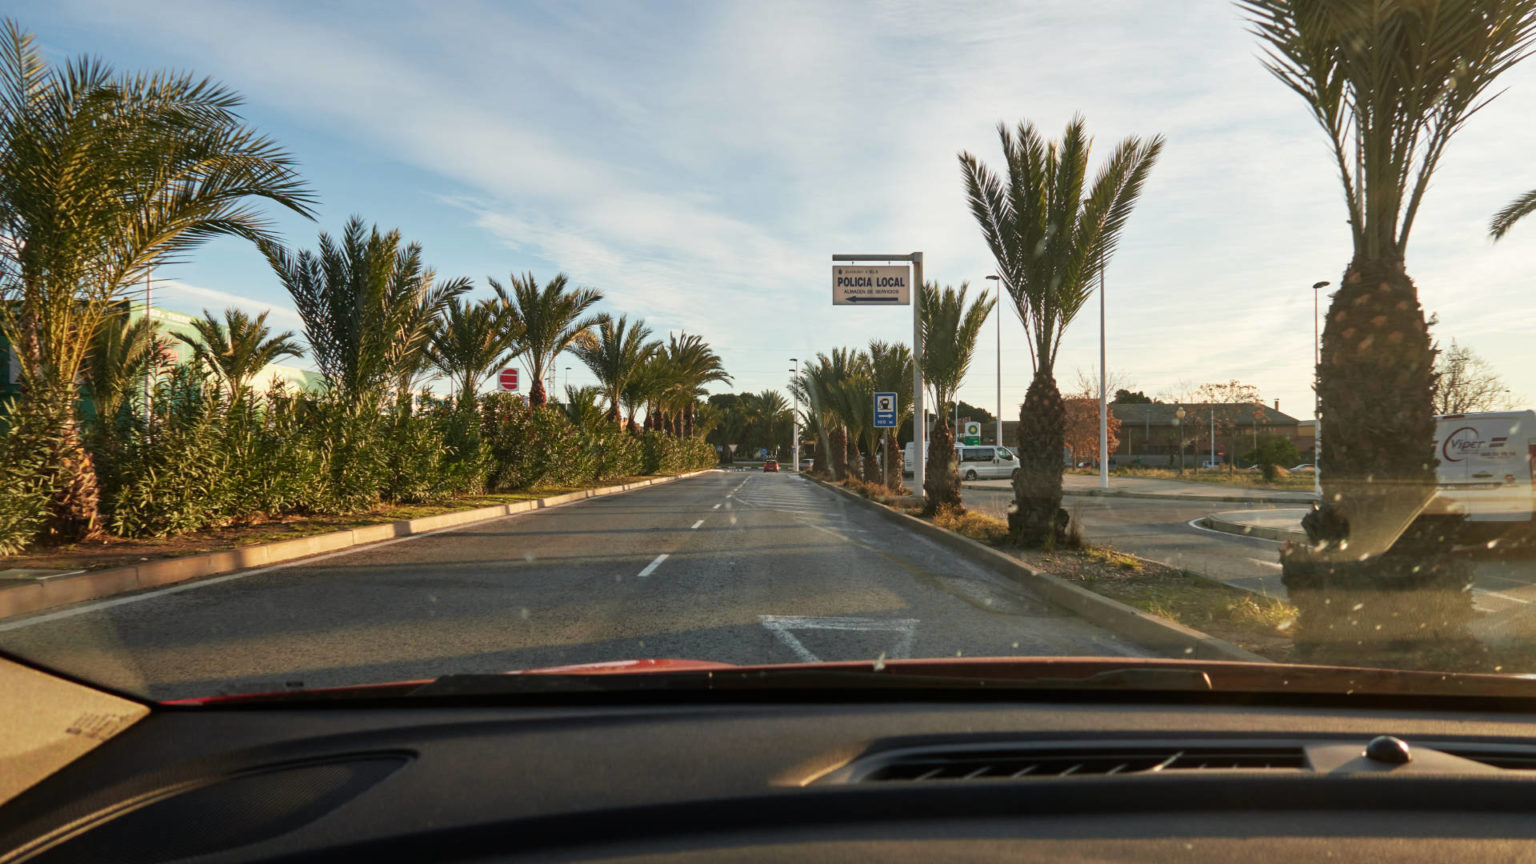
point(199, 461)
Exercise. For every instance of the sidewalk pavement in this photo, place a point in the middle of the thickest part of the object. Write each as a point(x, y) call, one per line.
point(1158, 488)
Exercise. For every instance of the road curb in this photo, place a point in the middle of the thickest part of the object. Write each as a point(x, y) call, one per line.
point(1146, 629)
point(1230, 527)
point(1167, 496)
point(96, 584)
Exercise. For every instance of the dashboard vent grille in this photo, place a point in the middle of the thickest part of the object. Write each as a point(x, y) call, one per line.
point(1023, 764)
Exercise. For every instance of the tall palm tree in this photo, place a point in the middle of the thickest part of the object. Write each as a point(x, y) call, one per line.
point(468, 342)
point(122, 355)
point(891, 372)
point(1051, 234)
point(950, 329)
point(236, 349)
point(1390, 83)
point(648, 386)
point(368, 306)
point(547, 320)
point(855, 404)
point(697, 365)
point(771, 409)
point(821, 379)
point(619, 349)
point(102, 175)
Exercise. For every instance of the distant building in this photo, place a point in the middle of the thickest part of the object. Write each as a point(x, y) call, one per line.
point(1150, 433)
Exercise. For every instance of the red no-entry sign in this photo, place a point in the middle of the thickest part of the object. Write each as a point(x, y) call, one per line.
point(508, 380)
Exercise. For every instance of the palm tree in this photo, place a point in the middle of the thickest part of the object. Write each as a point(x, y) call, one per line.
point(581, 407)
point(122, 355)
point(238, 348)
point(468, 342)
point(821, 379)
point(368, 306)
point(697, 365)
point(769, 409)
point(647, 387)
point(1390, 83)
point(856, 406)
point(891, 372)
point(1051, 233)
point(547, 321)
point(950, 329)
point(620, 349)
point(102, 175)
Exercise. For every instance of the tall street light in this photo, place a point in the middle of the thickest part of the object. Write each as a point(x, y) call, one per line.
point(1317, 420)
point(997, 303)
point(794, 419)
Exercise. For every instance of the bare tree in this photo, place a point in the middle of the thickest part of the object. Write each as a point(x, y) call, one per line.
point(1228, 404)
point(1466, 382)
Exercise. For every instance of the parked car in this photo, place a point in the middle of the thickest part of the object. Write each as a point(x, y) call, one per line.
point(770, 465)
point(1303, 468)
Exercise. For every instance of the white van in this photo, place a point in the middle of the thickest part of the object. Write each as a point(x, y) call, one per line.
point(1485, 465)
point(984, 462)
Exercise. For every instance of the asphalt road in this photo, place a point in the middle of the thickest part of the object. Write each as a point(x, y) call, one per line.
point(1160, 530)
point(732, 567)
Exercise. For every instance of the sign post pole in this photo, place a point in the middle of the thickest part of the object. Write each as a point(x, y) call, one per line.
point(882, 285)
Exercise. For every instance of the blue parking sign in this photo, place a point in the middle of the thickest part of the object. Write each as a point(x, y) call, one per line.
point(885, 410)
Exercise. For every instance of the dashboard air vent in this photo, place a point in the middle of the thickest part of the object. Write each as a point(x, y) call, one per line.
point(1020, 763)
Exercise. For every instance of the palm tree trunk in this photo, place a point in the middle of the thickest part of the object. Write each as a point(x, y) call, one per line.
point(1037, 519)
point(871, 467)
point(819, 456)
point(688, 420)
point(74, 508)
point(942, 480)
point(894, 462)
point(839, 447)
point(1410, 605)
point(537, 398)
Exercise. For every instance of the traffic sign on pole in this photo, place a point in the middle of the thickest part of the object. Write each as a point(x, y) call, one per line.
point(885, 410)
point(871, 286)
point(508, 380)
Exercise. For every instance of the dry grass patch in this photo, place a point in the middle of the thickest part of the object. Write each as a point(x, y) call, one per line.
point(977, 526)
point(1257, 623)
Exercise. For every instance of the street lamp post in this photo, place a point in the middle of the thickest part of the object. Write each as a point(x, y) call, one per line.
point(1178, 423)
point(1317, 418)
point(997, 284)
point(794, 420)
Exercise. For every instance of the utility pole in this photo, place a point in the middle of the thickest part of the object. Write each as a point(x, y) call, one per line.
point(794, 420)
point(1103, 388)
point(1317, 413)
point(997, 310)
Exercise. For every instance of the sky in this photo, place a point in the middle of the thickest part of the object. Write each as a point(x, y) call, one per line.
point(700, 163)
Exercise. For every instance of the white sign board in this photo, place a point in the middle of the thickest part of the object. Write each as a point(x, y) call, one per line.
point(871, 286)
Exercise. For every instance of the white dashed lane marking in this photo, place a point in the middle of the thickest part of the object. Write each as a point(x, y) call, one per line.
point(651, 567)
point(697, 524)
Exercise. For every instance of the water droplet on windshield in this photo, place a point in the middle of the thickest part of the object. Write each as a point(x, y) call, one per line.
point(1492, 543)
point(880, 662)
point(1355, 608)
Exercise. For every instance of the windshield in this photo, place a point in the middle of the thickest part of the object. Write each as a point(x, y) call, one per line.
point(357, 344)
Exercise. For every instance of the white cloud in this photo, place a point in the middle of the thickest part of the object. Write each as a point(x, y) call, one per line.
point(701, 163)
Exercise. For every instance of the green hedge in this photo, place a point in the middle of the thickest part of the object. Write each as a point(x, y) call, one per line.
point(200, 462)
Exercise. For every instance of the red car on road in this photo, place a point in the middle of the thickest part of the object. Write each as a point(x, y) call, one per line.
point(771, 465)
